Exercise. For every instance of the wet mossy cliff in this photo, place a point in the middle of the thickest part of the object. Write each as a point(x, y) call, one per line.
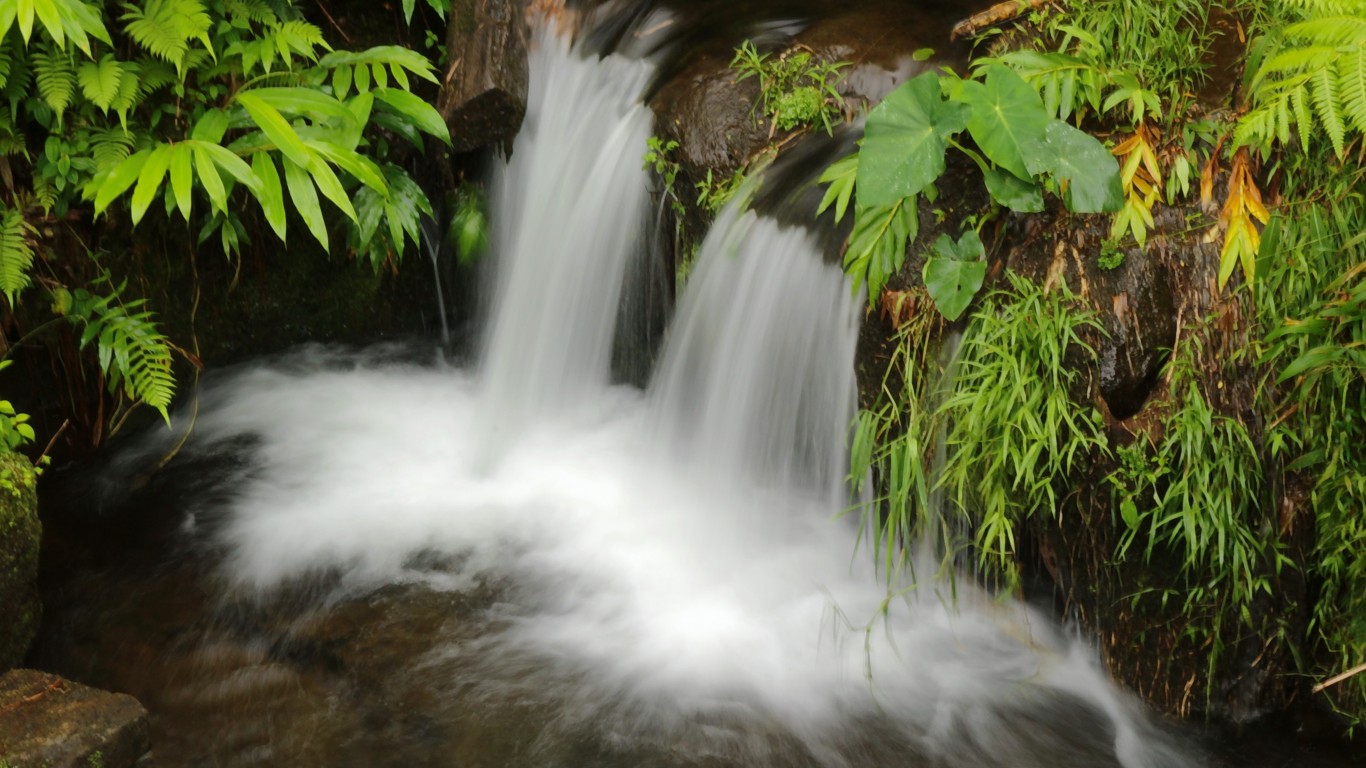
point(20, 609)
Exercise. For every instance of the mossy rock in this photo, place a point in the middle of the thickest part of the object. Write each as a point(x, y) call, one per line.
point(20, 609)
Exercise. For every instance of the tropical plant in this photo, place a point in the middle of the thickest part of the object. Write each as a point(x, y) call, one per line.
point(1018, 147)
point(191, 107)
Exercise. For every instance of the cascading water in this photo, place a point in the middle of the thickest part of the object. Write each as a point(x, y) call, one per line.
point(672, 580)
point(567, 216)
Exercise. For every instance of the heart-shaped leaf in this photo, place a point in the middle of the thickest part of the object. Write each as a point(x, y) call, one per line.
point(1007, 120)
point(904, 141)
point(1084, 168)
point(955, 273)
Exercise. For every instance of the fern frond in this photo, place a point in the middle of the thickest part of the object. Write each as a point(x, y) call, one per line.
point(100, 81)
point(16, 252)
point(56, 79)
point(1327, 103)
point(255, 11)
point(165, 28)
point(1352, 86)
point(133, 354)
point(1330, 31)
point(1328, 7)
point(110, 147)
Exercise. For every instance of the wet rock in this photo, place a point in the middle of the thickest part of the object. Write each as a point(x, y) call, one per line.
point(20, 609)
point(46, 720)
point(484, 89)
point(711, 116)
point(1132, 294)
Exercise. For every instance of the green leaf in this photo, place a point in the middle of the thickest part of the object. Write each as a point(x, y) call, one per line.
point(330, 186)
point(275, 127)
point(100, 82)
point(955, 274)
point(209, 178)
point(1007, 119)
point(211, 126)
point(270, 196)
point(234, 165)
point(182, 177)
point(16, 252)
point(419, 112)
point(149, 180)
point(118, 180)
point(840, 176)
point(305, 199)
point(1088, 173)
point(1012, 191)
point(904, 141)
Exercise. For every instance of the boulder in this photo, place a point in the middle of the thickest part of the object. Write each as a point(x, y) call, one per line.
point(484, 88)
point(46, 720)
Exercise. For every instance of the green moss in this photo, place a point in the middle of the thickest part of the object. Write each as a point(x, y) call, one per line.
point(20, 529)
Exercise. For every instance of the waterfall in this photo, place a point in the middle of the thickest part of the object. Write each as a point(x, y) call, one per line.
point(568, 211)
point(757, 376)
point(673, 581)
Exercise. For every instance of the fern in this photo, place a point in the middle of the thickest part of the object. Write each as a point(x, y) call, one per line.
point(133, 354)
point(16, 252)
point(110, 147)
point(279, 40)
point(56, 79)
point(165, 28)
point(1320, 61)
point(100, 81)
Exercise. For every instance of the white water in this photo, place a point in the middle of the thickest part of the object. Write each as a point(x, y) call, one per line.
point(674, 567)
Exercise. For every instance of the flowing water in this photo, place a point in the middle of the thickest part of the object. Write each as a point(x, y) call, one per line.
point(394, 562)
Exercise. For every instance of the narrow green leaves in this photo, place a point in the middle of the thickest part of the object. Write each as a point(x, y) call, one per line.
point(305, 199)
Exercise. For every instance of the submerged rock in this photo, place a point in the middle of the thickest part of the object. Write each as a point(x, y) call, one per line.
point(46, 720)
point(20, 609)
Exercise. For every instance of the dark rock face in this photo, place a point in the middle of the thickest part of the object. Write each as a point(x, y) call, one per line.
point(48, 721)
point(484, 89)
point(20, 609)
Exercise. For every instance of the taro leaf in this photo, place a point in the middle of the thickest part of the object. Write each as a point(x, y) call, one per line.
point(1085, 169)
point(904, 141)
point(1012, 191)
point(955, 273)
point(1007, 120)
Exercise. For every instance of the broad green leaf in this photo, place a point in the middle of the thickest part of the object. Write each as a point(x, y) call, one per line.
point(1087, 172)
point(305, 199)
point(422, 114)
point(1012, 191)
point(182, 177)
point(149, 180)
point(275, 127)
point(1007, 119)
point(955, 273)
point(270, 195)
point(118, 180)
point(211, 126)
point(904, 141)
